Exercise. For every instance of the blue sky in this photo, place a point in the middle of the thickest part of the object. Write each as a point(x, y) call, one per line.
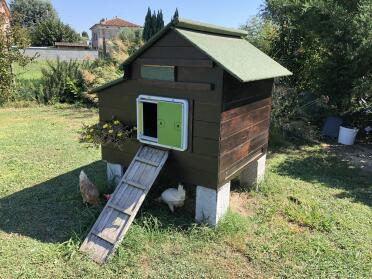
point(82, 14)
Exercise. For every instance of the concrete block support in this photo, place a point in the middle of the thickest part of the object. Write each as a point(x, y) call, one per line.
point(254, 173)
point(114, 173)
point(211, 204)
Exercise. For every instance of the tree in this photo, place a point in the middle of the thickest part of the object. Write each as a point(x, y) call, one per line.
point(176, 15)
point(146, 35)
point(261, 33)
point(159, 21)
point(52, 30)
point(27, 13)
point(154, 22)
point(12, 42)
point(84, 34)
point(326, 44)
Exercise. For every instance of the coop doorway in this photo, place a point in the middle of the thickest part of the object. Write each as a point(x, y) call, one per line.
point(150, 114)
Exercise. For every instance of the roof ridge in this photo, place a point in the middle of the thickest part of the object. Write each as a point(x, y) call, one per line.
point(116, 21)
point(206, 27)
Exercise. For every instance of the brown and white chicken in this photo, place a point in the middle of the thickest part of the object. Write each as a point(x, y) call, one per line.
point(88, 190)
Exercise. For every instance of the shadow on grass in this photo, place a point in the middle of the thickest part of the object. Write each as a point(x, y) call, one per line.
point(52, 211)
point(328, 169)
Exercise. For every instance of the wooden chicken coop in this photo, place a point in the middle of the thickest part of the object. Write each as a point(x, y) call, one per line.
point(203, 94)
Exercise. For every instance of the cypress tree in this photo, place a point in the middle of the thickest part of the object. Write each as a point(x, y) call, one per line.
point(175, 14)
point(146, 35)
point(154, 24)
point(159, 21)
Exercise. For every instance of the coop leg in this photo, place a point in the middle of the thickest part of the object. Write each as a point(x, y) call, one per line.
point(114, 173)
point(211, 204)
point(254, 173)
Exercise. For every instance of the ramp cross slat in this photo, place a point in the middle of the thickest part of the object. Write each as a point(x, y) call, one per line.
point(147, 161)
point(118, 208)
point(135, 184)
point(118, 214)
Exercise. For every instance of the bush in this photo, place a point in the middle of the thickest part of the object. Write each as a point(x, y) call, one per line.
point(294, 114)
point(99, 72)
point(62, 82)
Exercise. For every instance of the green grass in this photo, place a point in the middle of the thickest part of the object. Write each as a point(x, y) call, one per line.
point(311, 218)
point(28, 81)
point(31, 71)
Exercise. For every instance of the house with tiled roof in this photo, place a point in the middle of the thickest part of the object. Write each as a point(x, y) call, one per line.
point(108, 29)
point(5, 15)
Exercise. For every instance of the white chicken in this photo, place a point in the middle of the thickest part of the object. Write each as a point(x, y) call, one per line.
point(88, 190)
point(174, 197)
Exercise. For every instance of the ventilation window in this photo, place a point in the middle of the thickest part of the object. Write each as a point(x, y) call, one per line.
point(158, 72)
point(162, 121)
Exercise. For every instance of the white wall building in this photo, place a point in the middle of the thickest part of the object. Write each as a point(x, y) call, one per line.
point(108, 29)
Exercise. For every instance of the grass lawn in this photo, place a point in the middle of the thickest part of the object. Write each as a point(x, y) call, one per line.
point(31, 71)
point(311, 218)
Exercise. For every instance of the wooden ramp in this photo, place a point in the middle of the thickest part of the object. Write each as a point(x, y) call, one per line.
point(119, 212)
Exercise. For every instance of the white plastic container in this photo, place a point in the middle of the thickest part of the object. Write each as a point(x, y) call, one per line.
point(347, 136)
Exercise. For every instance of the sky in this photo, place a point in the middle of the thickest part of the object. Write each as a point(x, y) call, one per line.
point(82, 14)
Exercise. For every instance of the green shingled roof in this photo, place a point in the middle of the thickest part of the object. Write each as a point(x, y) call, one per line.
point(226, 47)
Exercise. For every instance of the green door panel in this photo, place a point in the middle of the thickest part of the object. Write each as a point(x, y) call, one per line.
point(170, 124)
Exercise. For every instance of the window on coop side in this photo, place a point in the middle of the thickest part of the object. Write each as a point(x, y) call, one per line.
point(158, 72)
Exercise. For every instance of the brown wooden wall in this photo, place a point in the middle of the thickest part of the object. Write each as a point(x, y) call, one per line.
point(245, 122)
point(200, 82)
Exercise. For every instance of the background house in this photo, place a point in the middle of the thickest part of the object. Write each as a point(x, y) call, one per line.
point(108, 29)
point(5, 15)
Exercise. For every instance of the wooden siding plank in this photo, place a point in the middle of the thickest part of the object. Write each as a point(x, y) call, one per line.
point(244, 136)
point(124, 94)
point(243, 121)
point(232, 113)
point(178, 85)
point(207, 130)
point(230, 173)
point(174, 53)
point(228, 159)
point(184, 159)
point(172, 38)
point(205, 146)
point(200, 75)
point(191, 176)
point(207, 112)
point(247, 100)
point(195, 63)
